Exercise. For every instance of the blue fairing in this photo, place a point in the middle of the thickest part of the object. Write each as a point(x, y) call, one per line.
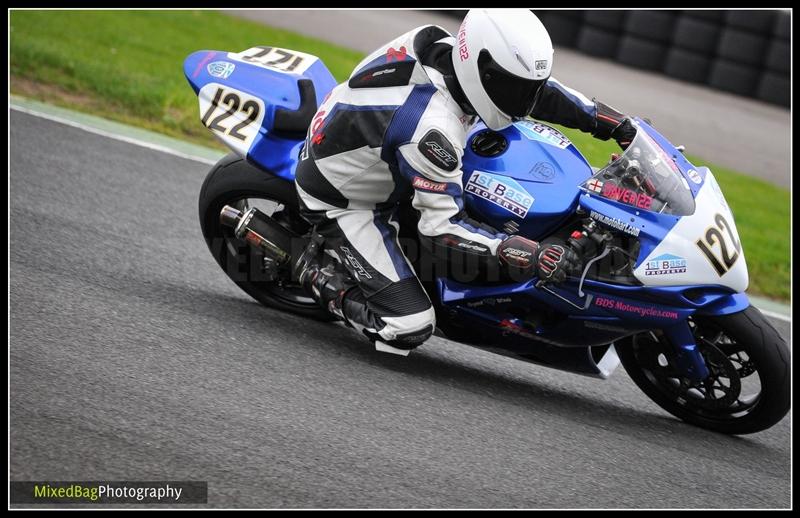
point(544, 166)
point(532, 188)
point(276, 88)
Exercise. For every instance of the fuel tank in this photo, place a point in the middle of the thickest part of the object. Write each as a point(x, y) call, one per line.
point(523, 179)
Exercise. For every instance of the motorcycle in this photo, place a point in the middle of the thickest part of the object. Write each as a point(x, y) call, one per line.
point(662, 294)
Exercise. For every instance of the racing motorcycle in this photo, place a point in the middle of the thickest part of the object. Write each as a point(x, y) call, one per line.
point(662, 291)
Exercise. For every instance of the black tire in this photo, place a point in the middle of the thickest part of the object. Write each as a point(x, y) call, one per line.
point(563, 29)
point(767, 356)
point(231, 180)
point(761, 22)
point(779, 57)
point(598, 42)
point(641, 53)
point(717, 17)
point(697, 35)
point(686, 65)
point(609, 20)
point(651, 25)
point(742, 47)
point(775, 89)
point(783, 26)
point(730, 76)
point(733, 77)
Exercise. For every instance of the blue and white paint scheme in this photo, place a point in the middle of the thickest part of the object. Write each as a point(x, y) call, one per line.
point(690, 260)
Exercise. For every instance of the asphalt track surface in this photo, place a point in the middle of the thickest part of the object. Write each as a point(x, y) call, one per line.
point(133, 357)
point(744, 134)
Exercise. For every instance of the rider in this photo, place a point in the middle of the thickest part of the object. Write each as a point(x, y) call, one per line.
point(396, 130)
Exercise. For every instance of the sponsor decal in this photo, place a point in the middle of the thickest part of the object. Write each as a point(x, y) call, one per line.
point(424, 184)
point(541, 64)
point(544, 170)
point(517, 257)
point(665, 264)
point(489, 302)
point(615, 223)
point(642, 311)
point(502, 191)
point(595, 185)
point(463, 52)
point(543, 133)
point(472, 246)
point(694, 176)
point(435, 147)
point(626, 196)
point(516, 252)
point(221, 69)
point(358, 269)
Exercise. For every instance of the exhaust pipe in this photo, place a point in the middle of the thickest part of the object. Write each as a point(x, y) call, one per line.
point(260, 231)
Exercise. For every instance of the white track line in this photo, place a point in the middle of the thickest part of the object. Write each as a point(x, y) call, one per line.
point(115, 136)
point(776, 316)
point(170, 151)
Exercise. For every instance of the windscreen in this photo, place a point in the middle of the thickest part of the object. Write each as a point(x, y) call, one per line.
point(645, 177)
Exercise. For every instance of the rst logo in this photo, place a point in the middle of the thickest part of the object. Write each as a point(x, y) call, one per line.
point(441, 153)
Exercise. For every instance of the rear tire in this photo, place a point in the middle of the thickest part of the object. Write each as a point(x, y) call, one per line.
point(229, 182)
point(765, 354)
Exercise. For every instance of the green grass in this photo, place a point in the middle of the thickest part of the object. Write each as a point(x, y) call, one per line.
point(127, 66)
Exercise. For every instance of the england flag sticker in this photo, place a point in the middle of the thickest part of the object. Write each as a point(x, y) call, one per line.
point(595, 185)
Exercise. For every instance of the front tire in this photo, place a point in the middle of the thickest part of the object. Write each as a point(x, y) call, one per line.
point(233, 181)
point(740, 349)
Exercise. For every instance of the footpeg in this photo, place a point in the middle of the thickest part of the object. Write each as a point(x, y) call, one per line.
point(386, 348)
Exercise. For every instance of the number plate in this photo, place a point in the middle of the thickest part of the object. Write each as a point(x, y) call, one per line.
point(232, 115)
point(274, 58)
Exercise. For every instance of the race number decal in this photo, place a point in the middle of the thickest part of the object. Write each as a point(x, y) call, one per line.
point(274, 58)
point(728, 249)
point(234, 116)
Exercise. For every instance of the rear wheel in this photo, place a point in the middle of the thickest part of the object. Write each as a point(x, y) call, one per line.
point(235, 182)
point(748, 389)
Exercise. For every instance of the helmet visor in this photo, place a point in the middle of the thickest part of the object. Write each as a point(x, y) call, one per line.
point(513, 95)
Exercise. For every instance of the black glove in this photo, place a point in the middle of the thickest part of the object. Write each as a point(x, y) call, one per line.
point(556, 260)
point(624, 133)
point(518, 256)
point(609, 123)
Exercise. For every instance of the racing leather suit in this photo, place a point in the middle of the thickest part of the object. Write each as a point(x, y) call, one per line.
point(396, 130)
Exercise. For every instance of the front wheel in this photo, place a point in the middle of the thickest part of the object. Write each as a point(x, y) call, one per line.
point(748, 389)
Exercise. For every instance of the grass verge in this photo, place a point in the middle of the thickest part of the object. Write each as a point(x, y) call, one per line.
point(127, 66)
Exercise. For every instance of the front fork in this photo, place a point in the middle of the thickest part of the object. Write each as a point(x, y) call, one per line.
point(690, 362)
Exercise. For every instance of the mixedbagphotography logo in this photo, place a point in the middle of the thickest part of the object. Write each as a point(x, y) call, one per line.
point(108, 492)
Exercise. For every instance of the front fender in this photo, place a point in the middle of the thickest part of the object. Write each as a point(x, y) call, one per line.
point(727, 305)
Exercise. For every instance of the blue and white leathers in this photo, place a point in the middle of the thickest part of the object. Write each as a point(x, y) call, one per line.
point(538, 185)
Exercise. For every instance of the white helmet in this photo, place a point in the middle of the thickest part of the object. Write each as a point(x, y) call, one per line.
point(501, 59)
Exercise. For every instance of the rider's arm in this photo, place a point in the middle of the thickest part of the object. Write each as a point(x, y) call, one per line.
point(562, 105)
point(432, 165)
